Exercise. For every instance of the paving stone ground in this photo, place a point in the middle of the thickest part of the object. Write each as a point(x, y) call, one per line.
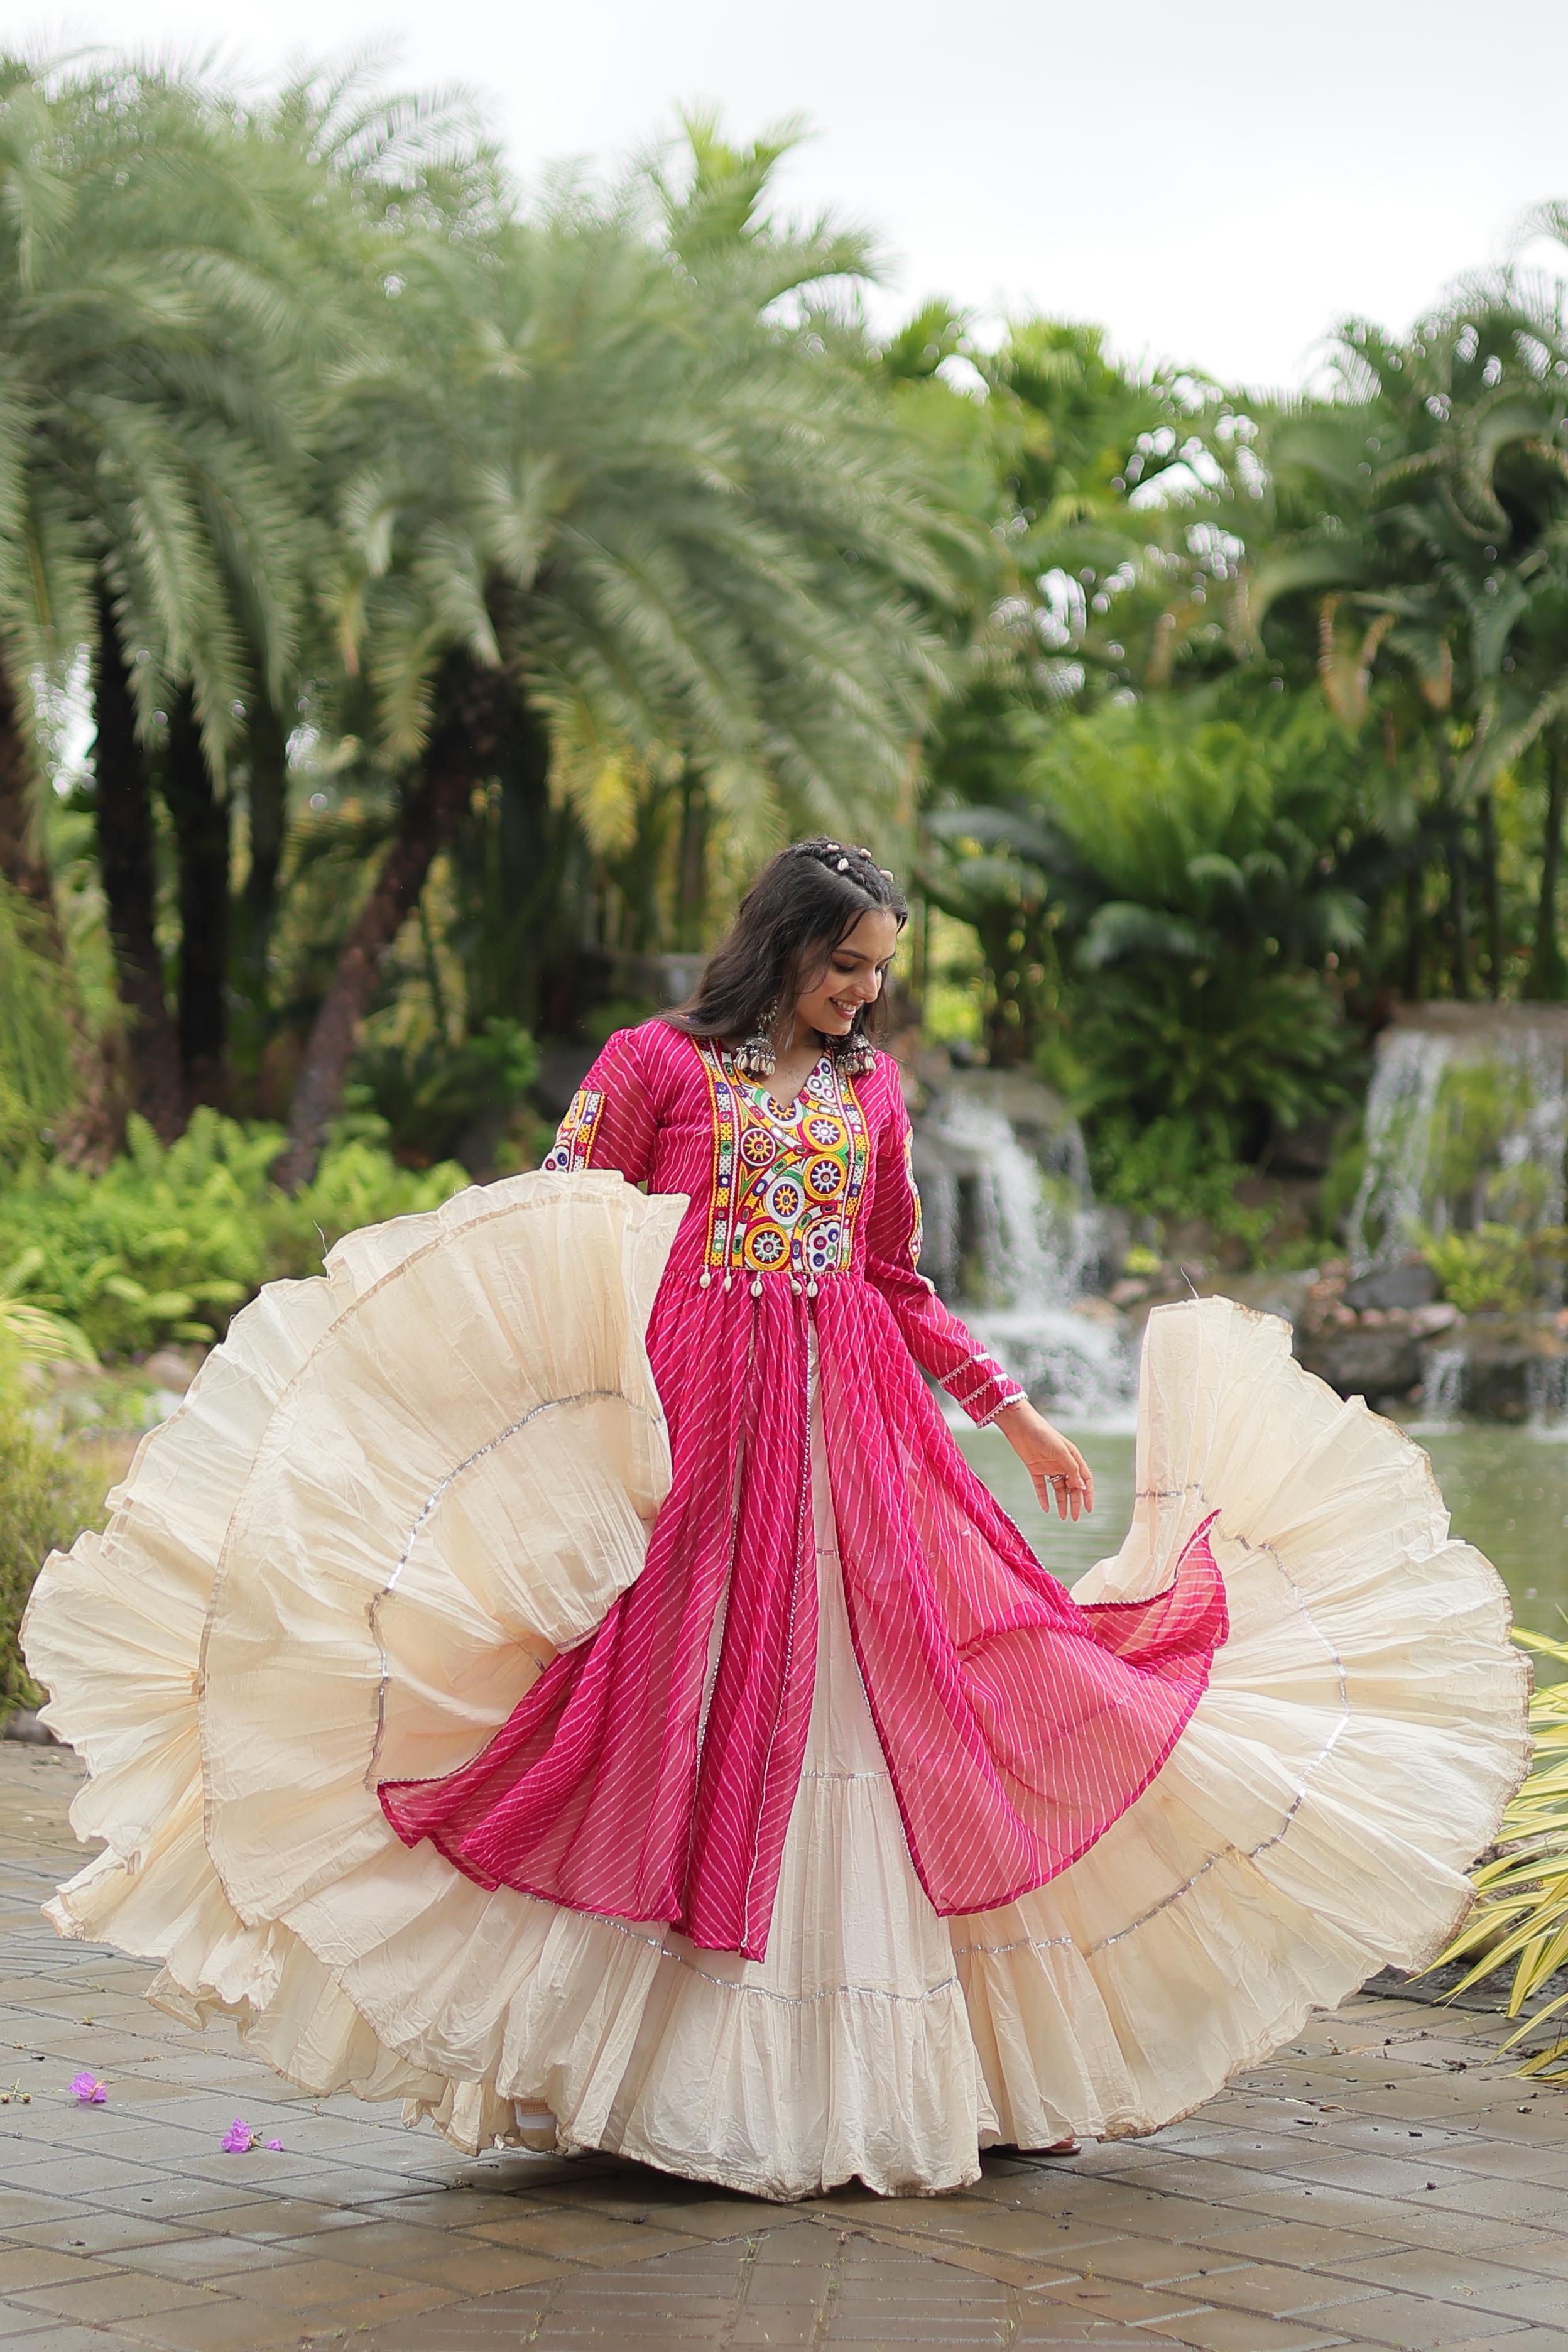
point(1385, 2182)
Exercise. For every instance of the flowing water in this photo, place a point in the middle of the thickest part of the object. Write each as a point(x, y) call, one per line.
point(1012, 1236)
point(1466, 1122)
point(1466, 1125)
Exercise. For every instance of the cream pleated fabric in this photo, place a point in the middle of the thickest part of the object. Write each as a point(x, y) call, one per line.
point(390, 1489)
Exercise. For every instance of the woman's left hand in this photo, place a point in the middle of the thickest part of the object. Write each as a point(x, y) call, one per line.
point(1060, 1474)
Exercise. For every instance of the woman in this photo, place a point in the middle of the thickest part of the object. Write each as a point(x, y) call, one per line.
point(832, 1838)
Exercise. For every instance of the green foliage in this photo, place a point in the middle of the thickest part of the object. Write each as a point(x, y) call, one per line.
point(1186, 883)
point(1520, 1917)
point(1495, 1269)
point(156, 298)
point(1232, 1056)
point(1342, 1183)
point(1479, 1106)
point(31, 1332)
point(167, 1243)
point(46, 1499)
point(1467, 1151)
point(1170, 1168)
point(432, 1095)
point(36, 1078)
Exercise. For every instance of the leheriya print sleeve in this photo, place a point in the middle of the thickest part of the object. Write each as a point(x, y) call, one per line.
point(935, 1337)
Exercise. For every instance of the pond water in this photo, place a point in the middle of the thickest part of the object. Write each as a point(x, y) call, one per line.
point(1506, 1492)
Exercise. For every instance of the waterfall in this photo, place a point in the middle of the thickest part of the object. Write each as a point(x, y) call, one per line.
point(1465, 1120)
point(1547, 1397)
point(1013, 1239)
point(1444, 1396)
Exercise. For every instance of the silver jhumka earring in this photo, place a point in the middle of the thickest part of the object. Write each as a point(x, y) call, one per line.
point(758, 1057)
point(854, 1055)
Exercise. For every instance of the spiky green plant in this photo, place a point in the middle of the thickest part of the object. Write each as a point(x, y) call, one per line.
point(1520, 1917)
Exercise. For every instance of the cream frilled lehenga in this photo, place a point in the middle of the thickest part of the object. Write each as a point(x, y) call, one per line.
point(557, 1670)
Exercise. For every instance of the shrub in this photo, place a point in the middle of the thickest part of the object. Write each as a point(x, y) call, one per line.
point(168, 1242)
point(1234, 1052)
point(1171, 1169)
point(433, 1096)
point(46, 1499)
point(1497, 1269)
point(36, 1077)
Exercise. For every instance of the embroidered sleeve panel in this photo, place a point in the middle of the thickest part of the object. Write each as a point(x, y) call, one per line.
point(573, 1146)
point(916, 1226)
point(612, 1119)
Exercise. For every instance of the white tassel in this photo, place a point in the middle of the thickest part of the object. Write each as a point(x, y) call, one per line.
point(703, 1279)
point(756, 1285)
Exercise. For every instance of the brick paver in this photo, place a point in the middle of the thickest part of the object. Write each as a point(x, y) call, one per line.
point(1387, 2183)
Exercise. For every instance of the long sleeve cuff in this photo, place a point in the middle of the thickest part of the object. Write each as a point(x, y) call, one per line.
point(980, 1388)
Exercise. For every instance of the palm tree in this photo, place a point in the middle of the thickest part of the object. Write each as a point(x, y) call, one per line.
point(622, 526)
point(1418, 530)
point(153, 324)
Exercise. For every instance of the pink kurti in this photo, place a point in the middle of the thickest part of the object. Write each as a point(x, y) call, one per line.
point(649, 1774)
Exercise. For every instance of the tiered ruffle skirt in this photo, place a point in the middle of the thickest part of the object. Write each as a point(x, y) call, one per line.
point(392, 1490)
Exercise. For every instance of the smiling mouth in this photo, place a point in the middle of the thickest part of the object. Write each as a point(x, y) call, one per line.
point(845, 1011)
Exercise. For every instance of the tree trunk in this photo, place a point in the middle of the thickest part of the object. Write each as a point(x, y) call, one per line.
point(1458, 909)
point(126, 865)
point(1547, 980)
point(200, 824)
point(465, 748)
point(20, 861)
point(1412, 915)
point(268, 759)
point(1491, 892)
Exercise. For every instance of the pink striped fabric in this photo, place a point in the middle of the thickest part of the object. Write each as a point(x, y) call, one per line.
point(1017, 1726)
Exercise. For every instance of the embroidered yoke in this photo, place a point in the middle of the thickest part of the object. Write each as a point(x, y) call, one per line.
point(645, 1778)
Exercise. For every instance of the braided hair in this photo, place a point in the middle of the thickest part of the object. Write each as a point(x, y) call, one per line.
point(802, 904)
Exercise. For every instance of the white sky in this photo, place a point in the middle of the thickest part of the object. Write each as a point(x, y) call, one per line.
point(1215, 181)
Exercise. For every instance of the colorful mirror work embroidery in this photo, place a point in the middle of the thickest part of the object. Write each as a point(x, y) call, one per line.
point(787, 1178)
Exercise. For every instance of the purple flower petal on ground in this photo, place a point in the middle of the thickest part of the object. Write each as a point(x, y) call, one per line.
point(238, 2138)
point(275, 2145)
point(88, 2090)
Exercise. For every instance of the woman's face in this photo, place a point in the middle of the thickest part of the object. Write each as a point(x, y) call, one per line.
point(853, 976)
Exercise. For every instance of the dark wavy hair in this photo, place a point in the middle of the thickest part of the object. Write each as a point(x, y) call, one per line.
point(802, 904)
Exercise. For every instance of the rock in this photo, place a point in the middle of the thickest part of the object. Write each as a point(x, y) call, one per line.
point(1358, 1362)
point(1098, 1310)
point(171, 1368)
point(25, 1724)
point(1285, 1294)
point(1438, 1317)
point(1506, 1359)
point(1128, 1291)
point(1306, 1149)
point(1412, 1284)
point(1036, 1114)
